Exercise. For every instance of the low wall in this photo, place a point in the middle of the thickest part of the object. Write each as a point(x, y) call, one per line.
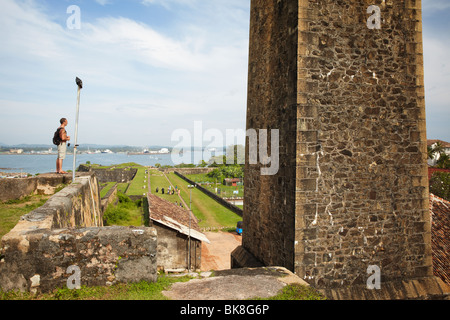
point(67, 231)
point(120, 175)
point(16, 188)
point(187, 170)
point(218, 199)
point(109, 198)
point(102, 255)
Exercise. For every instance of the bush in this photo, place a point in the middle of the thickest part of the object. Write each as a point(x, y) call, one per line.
point(440, 185)
point(114, 215)
point(122, 212)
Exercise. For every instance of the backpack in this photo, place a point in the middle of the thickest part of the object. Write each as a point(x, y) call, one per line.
point(56, 137)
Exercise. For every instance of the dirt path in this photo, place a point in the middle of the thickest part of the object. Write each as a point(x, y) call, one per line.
point(217, 254)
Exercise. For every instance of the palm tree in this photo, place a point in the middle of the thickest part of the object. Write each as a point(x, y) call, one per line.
point(444, 161)
point(438, 148)
point(430, 152)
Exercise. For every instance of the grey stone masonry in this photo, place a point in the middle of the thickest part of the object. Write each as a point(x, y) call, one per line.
point(343, 82)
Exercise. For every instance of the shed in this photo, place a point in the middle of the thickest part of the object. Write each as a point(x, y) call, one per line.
point(172, 225)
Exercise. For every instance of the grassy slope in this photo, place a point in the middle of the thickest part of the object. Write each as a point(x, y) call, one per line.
point(209, 212)
point(11, 211)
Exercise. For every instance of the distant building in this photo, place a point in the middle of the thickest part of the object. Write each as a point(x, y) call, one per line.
point(232, 181)
point(432, 144)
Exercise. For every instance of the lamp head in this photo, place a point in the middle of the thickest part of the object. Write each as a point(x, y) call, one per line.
point(79, 83)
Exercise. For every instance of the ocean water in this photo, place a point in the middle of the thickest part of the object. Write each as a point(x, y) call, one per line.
point(33, 164)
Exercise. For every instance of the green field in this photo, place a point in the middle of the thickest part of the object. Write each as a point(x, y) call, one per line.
point(139, 185)
point(211, 184)
point(210, 213)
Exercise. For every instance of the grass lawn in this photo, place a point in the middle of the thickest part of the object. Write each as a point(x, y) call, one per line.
point(133, 291)
point(105, 188)
point(139, 185)
point(226, 191)
point(157, 180)
point(209, 212)
point(11, 211)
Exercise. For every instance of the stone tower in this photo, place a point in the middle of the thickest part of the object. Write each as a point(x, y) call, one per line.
point(343, 82)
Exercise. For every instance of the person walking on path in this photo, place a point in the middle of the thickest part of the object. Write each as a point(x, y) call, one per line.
point(62, 147)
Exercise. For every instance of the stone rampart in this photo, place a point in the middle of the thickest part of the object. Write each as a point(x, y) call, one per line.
point(120, 175)
point(42, 251)
point(16, 188)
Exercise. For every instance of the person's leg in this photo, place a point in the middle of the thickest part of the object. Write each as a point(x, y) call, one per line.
point(62, 171)
point(61, 156)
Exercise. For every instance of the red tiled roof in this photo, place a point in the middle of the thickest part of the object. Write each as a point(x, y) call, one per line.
point(445, 144)
point(174, 217)
point(440, 233)
point(160, 208)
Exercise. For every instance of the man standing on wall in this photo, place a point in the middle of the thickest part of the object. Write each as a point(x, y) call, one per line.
point(62, 146)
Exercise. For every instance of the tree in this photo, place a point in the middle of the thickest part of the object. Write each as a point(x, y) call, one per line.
point(440, 185)
point(438, 148)
point(443, 161)
point(430, 152)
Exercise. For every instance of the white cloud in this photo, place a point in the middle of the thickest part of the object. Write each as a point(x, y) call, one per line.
point(169, 3)
point(103, 2)
point(134, 76)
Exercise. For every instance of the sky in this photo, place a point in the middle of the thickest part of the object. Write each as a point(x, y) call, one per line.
point(150, 68)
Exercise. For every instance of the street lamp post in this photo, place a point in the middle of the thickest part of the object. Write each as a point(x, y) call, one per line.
point(80, 86)
point(189, 238)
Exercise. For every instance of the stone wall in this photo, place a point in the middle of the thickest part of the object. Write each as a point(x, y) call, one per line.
point(16, 188)
point(120, 175)
point(348, 99)
point(269, 201)
point(110, 197)
point(103, 255)
point(67, 231)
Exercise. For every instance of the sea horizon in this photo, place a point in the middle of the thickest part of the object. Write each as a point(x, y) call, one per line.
point(46, 163)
